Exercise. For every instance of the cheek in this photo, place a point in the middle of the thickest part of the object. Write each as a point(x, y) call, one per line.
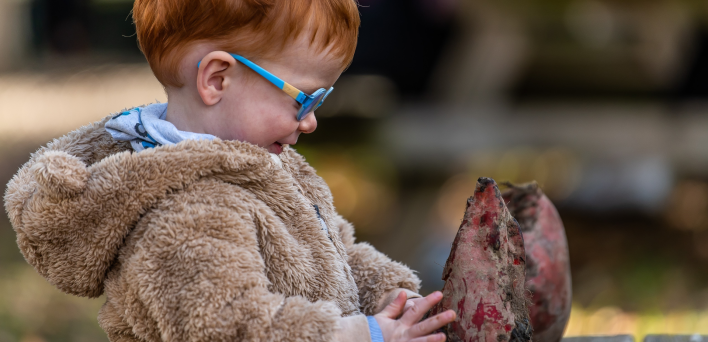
point(275, 120)
point(266, 113)
point(272, 101)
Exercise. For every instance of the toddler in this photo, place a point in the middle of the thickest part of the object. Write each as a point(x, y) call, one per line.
point(195, 218)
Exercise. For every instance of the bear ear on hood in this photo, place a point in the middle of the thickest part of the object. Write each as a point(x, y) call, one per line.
point(60, 174)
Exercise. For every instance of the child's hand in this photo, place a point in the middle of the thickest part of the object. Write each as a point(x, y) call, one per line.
point(408, 327)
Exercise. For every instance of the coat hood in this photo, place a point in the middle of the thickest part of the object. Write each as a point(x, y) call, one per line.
point(75, 201)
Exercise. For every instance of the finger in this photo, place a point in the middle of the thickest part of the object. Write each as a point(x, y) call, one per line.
point(432, 324)
point(394, 309)
point(414, 315)
point(431, 338)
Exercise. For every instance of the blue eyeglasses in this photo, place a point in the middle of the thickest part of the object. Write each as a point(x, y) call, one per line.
point(308, 103)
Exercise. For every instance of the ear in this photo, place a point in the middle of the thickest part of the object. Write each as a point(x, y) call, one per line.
point(214, 76)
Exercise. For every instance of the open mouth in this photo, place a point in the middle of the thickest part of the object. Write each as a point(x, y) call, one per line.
point(276, 148)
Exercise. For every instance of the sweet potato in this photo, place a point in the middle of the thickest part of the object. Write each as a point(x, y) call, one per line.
point(484, 274)
point(547, 261)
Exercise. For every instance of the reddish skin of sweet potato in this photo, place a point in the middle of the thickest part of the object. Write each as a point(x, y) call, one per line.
point(548, 264)
point(484, 274)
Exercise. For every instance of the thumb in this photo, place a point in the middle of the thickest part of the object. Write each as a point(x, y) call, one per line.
point(394, 309)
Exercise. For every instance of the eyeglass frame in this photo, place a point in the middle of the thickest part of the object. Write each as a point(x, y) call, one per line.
point(306, 101)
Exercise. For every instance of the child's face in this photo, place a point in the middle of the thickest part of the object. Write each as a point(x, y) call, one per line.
point(239, 104)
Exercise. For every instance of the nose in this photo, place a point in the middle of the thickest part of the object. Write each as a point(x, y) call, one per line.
point(308, 124)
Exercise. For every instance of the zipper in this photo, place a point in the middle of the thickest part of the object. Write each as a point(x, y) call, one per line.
point(323, 224)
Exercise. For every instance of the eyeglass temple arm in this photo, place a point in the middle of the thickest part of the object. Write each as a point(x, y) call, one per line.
point(293, 92)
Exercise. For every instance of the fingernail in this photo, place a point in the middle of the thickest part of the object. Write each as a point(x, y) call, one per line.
point(441, 337)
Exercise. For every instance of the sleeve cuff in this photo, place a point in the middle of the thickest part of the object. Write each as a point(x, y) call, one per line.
point(353, 329)
point(374, 329)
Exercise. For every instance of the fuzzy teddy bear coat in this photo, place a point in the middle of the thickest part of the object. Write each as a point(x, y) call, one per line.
point(198, 241)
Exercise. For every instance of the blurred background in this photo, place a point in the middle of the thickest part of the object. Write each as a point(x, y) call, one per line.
point(604, 103)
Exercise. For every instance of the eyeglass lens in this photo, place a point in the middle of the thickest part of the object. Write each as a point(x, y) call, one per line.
point(310, 105)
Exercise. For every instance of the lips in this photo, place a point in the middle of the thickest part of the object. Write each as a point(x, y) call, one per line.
point(276, 148)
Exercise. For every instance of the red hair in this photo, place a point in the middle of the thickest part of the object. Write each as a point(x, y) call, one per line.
point(255, 28)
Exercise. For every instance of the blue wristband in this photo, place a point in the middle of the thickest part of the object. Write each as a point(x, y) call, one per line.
point(374, 329)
